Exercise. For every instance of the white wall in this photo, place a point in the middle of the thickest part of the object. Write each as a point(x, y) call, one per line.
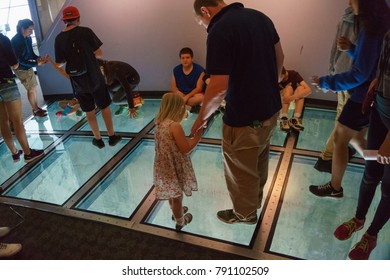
point(148, 34)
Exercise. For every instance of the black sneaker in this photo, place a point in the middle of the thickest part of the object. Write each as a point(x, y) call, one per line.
point(228, 216)
point(114, 139)
point(323, 165)
point(16, 157)
point(34, 155)
point(98, 143)
point(326, 190)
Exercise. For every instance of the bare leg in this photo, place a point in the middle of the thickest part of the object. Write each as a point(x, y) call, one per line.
point(5, 130)
point(32, 98)
point(359, 141)
point(177, 207)
point(14, 110)
point(299, 106)
point(91, 117)
point(342, 137)
point(106, 114)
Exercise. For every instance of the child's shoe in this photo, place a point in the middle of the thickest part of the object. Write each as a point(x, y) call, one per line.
point(186, 219)
point(98, 143)
point(185, 210)
point(34, 155)
point(114, 139)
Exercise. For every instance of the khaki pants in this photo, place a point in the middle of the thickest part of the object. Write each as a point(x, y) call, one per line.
point(27, 78)
point(342, 98)
point(246, 156)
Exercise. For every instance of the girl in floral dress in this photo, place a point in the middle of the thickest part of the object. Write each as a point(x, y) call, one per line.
point(173, 171)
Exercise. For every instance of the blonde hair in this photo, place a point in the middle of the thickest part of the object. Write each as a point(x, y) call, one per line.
point(172, 107)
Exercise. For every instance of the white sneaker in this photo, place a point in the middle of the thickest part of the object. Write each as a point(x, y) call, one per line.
point(4, 231)
point(7, 250)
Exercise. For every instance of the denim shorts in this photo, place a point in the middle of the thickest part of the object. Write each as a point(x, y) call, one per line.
point(352, 116)
point(9, 93)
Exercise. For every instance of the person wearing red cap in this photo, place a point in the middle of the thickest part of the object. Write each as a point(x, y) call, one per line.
point(78, 48)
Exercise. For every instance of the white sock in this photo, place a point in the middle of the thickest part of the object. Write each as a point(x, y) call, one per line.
point(297, 115)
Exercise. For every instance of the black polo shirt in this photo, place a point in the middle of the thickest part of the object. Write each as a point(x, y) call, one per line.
point(241, 44)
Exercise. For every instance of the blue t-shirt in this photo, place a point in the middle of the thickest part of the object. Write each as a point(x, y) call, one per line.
point(187, 83)
point(241, 44)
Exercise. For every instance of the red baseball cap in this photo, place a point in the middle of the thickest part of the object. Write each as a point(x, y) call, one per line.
point(70, 12)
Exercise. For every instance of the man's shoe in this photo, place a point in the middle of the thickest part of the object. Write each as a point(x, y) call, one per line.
point(34, 155)
point(8, 250)
point(344, 231)
point(284, 126)
point(114, 139)
point(326, 190)
point(40, 113)
point(4, 231)
point(296, 124)
point(362, 249)
point(187, 219)
point(16, 157)
point(98, 143)
point(228, 216)
point(323, 165)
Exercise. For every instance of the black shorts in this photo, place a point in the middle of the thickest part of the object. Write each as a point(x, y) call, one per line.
point(90, 96)
point(352, 116)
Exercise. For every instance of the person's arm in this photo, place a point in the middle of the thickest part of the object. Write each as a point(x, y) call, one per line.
point(174, 87)
point(198, 88)
point(214, 95)
point(121, 77)
point(279, 59)
point(58, 67)
point(98, 53)
point(184, 143)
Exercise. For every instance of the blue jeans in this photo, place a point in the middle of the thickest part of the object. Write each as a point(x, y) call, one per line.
point(374, 172)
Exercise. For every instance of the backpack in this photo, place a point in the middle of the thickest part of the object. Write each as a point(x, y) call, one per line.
point(75, 62)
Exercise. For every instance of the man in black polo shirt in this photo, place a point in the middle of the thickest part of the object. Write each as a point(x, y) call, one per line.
point(244, 59)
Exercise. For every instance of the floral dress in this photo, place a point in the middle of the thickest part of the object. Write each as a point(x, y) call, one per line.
point(173, 171)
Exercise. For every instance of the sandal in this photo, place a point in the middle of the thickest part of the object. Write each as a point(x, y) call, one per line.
point(185, 210)
point(187, 219)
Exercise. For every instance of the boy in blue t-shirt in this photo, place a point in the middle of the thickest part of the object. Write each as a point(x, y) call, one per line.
point(187, 79)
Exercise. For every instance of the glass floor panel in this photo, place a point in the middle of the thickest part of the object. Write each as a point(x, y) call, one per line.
point(8, 168)
point(214, 129)
point(318, 123)
point(120, 193)
point(211, 197)
point(305, 225)
point(51, 122)
point(123, 123)
point(62, 172)
point(113, 183)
